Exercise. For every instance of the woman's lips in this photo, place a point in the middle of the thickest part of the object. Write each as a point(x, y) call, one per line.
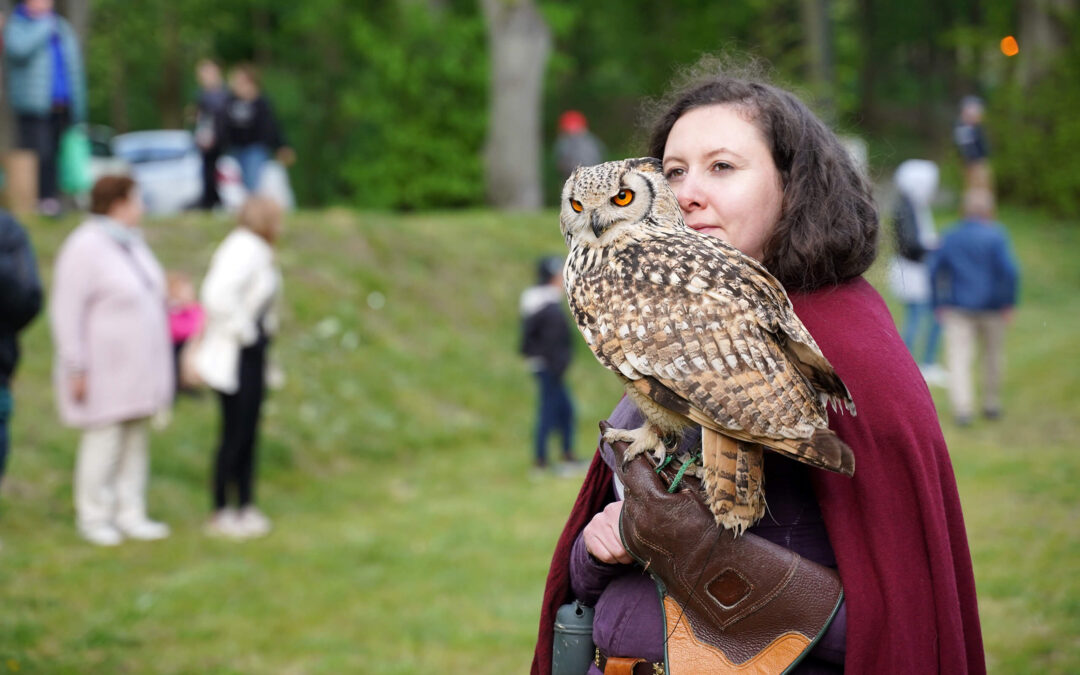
point(711, 230)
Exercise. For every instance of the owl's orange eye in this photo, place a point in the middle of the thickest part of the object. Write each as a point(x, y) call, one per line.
point(623, 198)
point(576, 205)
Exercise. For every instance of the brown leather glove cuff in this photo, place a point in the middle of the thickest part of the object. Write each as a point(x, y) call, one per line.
point(731, 604)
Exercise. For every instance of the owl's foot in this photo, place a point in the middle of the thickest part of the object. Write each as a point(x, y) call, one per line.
point(737, 517)
point(643, 439)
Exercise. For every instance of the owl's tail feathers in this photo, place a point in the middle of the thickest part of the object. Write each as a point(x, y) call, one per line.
point(826, 451)
point(732, 481)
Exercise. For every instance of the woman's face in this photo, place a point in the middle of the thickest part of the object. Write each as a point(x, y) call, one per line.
point(128, 211)
point(724, 177)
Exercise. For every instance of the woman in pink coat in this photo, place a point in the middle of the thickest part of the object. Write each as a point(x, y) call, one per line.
point(113, 367)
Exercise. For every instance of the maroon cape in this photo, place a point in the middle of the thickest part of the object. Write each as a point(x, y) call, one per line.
point(896, 527)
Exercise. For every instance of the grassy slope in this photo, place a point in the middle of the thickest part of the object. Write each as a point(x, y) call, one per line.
point(409, 536)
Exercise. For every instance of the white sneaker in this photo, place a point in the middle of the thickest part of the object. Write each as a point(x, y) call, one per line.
point(102, 534)
point(253, 523)
point(224, 523)
point(144, 530)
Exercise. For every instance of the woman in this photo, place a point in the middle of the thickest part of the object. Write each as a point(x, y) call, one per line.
point(238, 296)
point(916, 181)
point(751, 164)
point(250, 130)
point(113, 367)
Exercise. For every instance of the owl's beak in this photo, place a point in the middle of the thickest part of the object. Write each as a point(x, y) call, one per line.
point(597, 226)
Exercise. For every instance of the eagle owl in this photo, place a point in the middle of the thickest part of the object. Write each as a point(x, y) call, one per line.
point(700, 334)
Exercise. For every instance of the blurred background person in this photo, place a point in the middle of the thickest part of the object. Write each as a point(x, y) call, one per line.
point(916, 183)
point(240, 294)
point(545, 342)
point(575, 145)
point(210, 106)
point(250, 130)
point(970, 140)
point(46, 86)
point(975, 280)
point(20, 302)
point(113, 364)
point(186, 319)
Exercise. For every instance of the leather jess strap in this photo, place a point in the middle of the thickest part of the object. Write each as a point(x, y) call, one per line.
point(622, 665)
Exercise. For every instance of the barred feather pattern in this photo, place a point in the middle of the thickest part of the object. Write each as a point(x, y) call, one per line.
point(702, 330)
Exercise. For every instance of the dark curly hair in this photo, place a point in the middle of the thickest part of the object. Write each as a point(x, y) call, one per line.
point(828, 227)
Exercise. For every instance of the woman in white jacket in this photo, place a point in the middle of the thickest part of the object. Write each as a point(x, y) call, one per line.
point(239, 295)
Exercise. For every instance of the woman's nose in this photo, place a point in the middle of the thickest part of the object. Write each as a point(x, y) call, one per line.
point(689, 194)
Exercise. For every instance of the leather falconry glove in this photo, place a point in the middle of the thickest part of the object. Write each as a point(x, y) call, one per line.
point(731, 604)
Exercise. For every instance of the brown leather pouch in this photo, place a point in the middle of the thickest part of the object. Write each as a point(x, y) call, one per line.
point(731, 604)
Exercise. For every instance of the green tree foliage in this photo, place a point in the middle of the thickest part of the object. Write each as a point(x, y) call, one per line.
point(385, 101)
point(1036, 135)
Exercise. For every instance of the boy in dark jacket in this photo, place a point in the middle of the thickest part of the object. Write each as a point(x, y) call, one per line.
point(545, 342)
point(20, 302)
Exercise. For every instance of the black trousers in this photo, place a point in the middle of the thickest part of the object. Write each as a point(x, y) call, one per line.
point(234, 466)
point(210, 197)
point(41, 133)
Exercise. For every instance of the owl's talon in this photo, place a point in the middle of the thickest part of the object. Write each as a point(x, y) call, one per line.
point(642, 439)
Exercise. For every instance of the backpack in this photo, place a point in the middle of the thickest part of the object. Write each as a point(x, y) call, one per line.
point(906, 231)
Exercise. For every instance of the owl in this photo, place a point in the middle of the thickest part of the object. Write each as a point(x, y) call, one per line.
point(700, 334)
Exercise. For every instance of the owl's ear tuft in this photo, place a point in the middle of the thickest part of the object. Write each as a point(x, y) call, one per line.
point(645, 164)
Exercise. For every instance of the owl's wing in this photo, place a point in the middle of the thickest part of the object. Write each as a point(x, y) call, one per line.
point(716, 332)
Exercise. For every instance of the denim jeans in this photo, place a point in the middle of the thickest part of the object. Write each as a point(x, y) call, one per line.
point(252, 158)
point(6, 404)
point(919, 318)
point(556, 414)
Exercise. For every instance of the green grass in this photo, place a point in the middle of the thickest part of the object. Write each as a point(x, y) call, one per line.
point(395, 461)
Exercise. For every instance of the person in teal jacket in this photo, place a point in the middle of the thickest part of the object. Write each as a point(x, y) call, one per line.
point(46, 87)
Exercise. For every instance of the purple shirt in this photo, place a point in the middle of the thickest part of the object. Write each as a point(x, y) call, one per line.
point(628, 619)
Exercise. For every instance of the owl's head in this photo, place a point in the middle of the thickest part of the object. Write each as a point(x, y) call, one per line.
point(609, 203)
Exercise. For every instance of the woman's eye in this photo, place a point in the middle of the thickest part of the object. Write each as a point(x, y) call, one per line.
point(721, 166)
point(674, 173)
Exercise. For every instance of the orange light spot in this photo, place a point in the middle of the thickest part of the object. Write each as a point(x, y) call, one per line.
point(1009, 46)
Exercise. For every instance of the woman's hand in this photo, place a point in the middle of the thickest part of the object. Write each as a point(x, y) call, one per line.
point(286, 156)
point(601, 536)
point(78, 390)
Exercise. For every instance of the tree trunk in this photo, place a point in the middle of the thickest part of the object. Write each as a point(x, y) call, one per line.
point(869, 67)
point(118, 112)
point(170, 88)
point(260, 26)
point(77, 12)
point(817, 43)
point(1042, 36)
point(520, 42)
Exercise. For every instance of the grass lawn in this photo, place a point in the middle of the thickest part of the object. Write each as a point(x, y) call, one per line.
point(410, 534)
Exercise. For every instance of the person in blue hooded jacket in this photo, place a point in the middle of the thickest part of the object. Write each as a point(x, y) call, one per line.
point(46, 87)
point(974, 281)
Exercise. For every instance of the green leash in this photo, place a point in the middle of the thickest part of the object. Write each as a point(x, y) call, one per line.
point(682, 470)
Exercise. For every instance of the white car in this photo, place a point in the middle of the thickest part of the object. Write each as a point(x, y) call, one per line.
point(165, 164)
